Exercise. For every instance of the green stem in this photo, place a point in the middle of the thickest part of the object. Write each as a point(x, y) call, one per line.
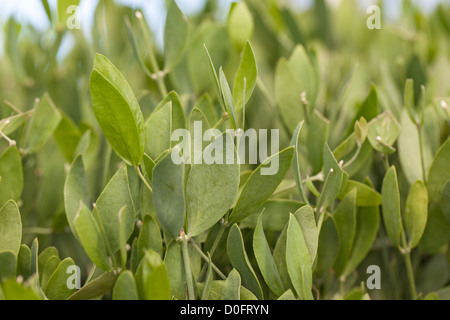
point(187, 266)
point(386, 161)
point(223, 226)
point(204, 257)
point(406, 252)
point(422, 158)
point(105, 239)
point(143, 179)
point(355, 156)
point(151, 53)
point(324, 190)
point(262, 88)
point(222, 120)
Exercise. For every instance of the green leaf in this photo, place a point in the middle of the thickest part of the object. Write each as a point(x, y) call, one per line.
point(327, 250)
point(207, 201)
point(117, 111)
point(232, 287)
point(240, 25)
point(125, 287)
point(114, 197)
point(259, 187)
point(335, 179)
point(369, 109)
point(67, 135)
point(91, 238)
point(415, 112)
point(173, 260)
point(96, 288)
point(296, 162)
point(409, 152)
point(298, 260)
point(279, 255)
point(197, 147)
point(287, 95)
point(345, 219)
point(57, 288)
point(275, 215)
point(416, 213)
point(383, 132)
point(361, 131)
point(7, 264)
point(214, 77)
point(266, 263)
point(391, 206)
point(367, 223)
point(206, 106)
point(12, 123)
point(12, 290)
point(445, 201)
point(152, 278)
point(303, 70)
point(168, 195)
point(439, 172)
point(176, 33)
point(47, 9)
point(149, 164)
point(307, 222)
point(245, 80)
point(47, 271)
point(227, 98)
point(217, 288)
point(149, 237)
point(11, 175)
point(24, 261)
point(365, 195)
point(209, 279)
point(239, 260)
point(317, 135)
point(75, 190)
point(167, 117)
point(288, 295)
point(11, 227)
point(42, 124)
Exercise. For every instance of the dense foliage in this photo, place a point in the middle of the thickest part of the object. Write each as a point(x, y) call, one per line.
point(87, 176)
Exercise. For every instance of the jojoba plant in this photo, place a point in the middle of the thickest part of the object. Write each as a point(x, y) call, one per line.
point(273, 154)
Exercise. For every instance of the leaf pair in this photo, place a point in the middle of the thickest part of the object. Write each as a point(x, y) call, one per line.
point(416, 211)
point(244, 83)
point(106, 229)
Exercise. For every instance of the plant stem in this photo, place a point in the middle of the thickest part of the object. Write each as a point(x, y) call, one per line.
point(143, 179)
point(262, 88)
point(204, 257)
point(223, 226)
point(406, 252)
point(222, 120)
point(154, 63)
point(105, 238)
point(422, 158)
point(187, 266)
point(386, 161)
point(412, 284)
point(355, 156)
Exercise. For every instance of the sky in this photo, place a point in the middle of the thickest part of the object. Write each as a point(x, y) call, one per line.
point(31, 11)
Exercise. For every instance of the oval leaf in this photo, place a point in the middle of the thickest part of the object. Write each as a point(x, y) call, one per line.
point(117, 111)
